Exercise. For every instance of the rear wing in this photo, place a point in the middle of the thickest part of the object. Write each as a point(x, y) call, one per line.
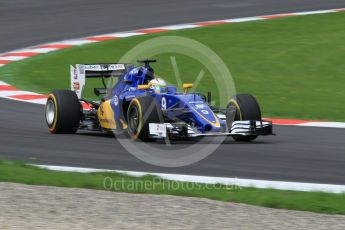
point(82, 71)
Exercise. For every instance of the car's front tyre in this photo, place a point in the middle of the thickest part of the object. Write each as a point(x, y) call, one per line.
point(242, 107)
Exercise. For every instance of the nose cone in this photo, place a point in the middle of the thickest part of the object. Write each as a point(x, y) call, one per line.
point(207, 119)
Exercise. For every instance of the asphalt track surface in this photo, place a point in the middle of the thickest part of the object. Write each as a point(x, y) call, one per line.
point(305, 154)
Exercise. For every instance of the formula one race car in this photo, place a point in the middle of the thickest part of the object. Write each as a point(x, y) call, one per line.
point(144, 107)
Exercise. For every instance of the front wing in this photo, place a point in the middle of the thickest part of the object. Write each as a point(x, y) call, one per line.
point(238, 128)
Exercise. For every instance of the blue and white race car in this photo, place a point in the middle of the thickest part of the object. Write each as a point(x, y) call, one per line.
point(136, 103)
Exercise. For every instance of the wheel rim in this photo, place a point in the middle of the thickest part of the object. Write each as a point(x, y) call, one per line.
point(233, 112)
point(50, 112)
point(231, 115)
point(133, 119)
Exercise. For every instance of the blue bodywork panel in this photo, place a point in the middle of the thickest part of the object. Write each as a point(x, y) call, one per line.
point(189, 108)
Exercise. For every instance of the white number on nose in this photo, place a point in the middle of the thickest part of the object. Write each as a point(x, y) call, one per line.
point(205, 112)
point(164, 103)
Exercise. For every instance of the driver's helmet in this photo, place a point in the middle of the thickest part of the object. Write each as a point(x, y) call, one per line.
point(158, 85)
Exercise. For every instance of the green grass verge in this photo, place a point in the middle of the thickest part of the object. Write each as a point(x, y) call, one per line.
point(294, 66)
point(304, 201)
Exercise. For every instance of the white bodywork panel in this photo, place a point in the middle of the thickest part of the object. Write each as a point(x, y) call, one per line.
point(157, 129)
point(78, 80)
point(99, 67)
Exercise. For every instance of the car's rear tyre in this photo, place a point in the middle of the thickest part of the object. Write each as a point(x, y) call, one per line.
point(63, 112)
point(142, 111)
point(242, 107)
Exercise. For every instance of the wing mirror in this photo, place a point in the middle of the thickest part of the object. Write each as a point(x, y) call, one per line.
point(186, 87)
point(144, 87)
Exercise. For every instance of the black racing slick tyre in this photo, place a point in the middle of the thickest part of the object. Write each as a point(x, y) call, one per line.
point(242, 107)
point(142, 111)
point(63, 112)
